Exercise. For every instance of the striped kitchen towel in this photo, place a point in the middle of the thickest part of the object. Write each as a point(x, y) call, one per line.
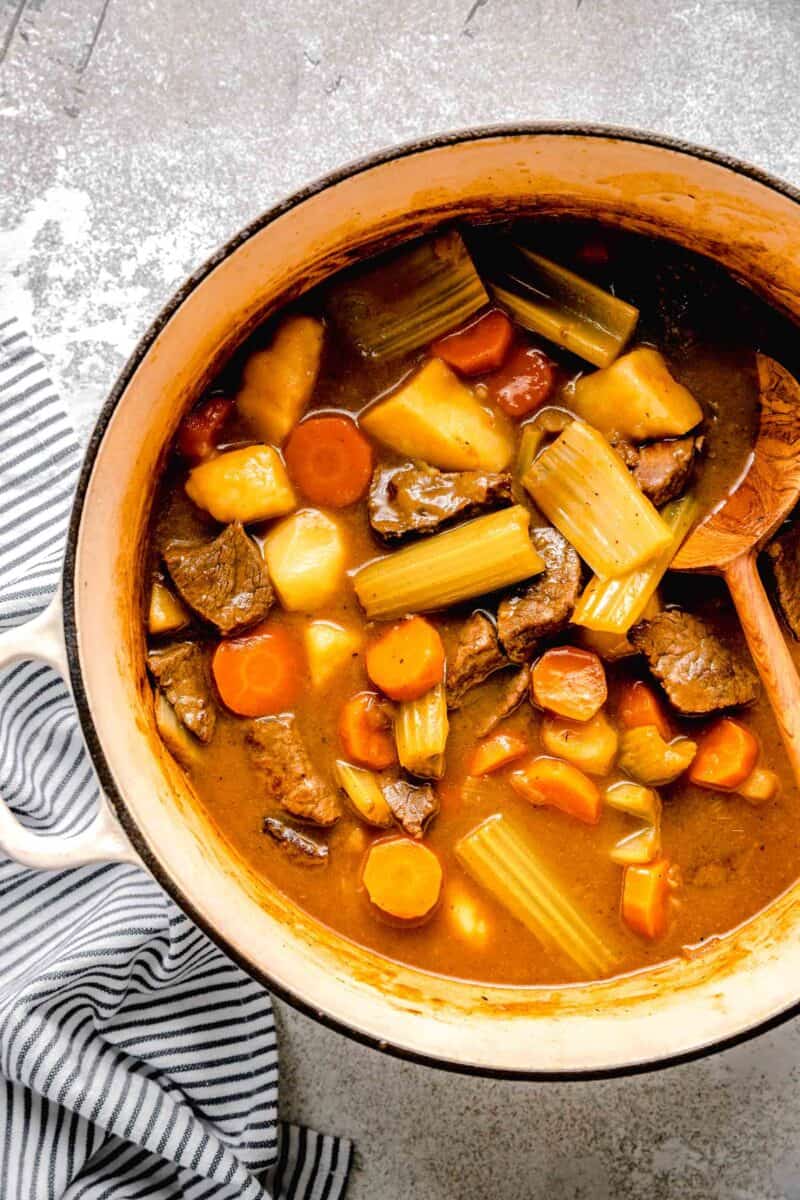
point(135, 1059)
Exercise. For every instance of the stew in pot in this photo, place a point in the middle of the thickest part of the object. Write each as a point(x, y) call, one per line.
point(410, 619)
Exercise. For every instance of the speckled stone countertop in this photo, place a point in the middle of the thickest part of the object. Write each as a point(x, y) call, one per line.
point(135, 137)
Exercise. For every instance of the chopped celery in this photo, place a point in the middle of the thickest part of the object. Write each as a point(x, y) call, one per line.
point(420, 731)
point(636, 398)
point(587, 492)
point(615, 605)
point(363, 790)
point(548, 422)
point(436, 418)
point(502, 856)
point(408, 299)
point(590, 745)
point(559, 305)
point(479, 556)
point(645, 755)
point(180, 743)
point(637, 848)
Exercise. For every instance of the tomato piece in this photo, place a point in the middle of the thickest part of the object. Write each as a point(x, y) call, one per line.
point(200, 430)
point(524, 383)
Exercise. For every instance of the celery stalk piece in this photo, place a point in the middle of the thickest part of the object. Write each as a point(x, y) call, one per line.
point(501, 856)
point(479, 556)
point(615, 605)
point(559, 305)
point(644, 844)
point(420, 731)
point(410, 298)
point(363, 790)
point(584, 488)
point(648, 758)
point(530, 443)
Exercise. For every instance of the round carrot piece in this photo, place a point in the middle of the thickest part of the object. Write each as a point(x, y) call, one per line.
point(365, 730)
point(259, 674)
point(495, 752)
point(553, 783)
point(200, 430)
point(570, 682)
point(403, 878)
point(478, 347)
point(525, 382)
point(407, 660)
point(639, 706)
point(330, 460)
point(726, 755)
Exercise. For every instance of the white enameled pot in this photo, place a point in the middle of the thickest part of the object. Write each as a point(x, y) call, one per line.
point(738, 216)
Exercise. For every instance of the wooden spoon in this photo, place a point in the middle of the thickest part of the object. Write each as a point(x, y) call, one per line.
point(728, 540)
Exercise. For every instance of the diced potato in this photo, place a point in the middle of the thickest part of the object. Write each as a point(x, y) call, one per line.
point(306, 559)
point(647, 757)
point(249, 484)
point(175, 736)
point(590, 745)
point(167, 612)
point(436, 417)
point(636, 397)
point(644, 844)
point(760, 786)
point(277, 383)
point(328, 647)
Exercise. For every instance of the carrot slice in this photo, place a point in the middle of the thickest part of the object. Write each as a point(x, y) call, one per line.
point(639, 706)
point(495, 752)
point(644, 898)
point(557, 784)
point(403, 878)
point(525, 382)
point(200, 429)
point(480, 346)
point(259, 674)
point(570, 682)
point(365, 730)
point(407, 660)
point(330, 460)
point(726, 755)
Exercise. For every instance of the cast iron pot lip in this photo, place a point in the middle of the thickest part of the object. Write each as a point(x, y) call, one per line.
point(97, 754)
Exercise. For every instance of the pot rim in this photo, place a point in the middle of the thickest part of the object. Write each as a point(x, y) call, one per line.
point(123, 811)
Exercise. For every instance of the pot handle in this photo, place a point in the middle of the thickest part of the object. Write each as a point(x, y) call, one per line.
point(104, 839)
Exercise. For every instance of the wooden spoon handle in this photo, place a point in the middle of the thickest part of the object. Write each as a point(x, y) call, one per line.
point(769, 650)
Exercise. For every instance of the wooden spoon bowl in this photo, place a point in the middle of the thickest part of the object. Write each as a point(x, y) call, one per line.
point(727, 542)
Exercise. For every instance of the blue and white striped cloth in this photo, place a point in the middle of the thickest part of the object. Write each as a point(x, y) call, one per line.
point(136, 1061)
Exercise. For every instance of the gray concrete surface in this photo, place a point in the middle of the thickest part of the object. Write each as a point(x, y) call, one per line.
point(134, 137)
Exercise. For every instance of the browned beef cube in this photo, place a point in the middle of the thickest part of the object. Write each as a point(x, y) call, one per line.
point(225, 581)
point(416, 498)
point(291, 780)
point(661, 469)
point(699, 672)
point(181, 673)
point(512, 693)
point(412, 805)
point(476, 656)
point(546, 605)
point(301, 849)
point(784, 554)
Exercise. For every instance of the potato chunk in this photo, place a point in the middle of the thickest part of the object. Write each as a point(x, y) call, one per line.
point(277, 383)
point(637, 398)
point(306, 559)
point(167, 611)
point(328, 647)
point(244, 485)
point(435, 417)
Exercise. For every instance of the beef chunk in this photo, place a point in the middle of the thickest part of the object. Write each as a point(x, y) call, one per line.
point(226, 581)
point(300, 849)
point(412, 805)
point(545, 607)
point(180, 672)
point(476, 656)
point(513, 692)
point(662, 469)
point(278, 751)
point(700, 674)
point(784, 553)
point(416, 498)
